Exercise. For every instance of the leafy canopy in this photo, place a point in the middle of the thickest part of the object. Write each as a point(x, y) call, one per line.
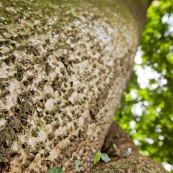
point(147, 109)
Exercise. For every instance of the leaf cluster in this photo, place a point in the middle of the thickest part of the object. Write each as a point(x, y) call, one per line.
point(150, 108)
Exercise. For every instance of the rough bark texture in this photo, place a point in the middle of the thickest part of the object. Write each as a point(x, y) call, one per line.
point(63, 68)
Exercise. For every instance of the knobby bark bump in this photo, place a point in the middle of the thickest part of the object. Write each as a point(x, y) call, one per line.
point(63, 68)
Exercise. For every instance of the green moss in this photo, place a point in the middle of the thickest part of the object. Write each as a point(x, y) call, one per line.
point(137, 164)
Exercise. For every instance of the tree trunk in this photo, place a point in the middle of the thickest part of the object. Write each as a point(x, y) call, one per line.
point(63, 68)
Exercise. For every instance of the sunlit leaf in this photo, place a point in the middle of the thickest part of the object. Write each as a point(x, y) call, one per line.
point(55, 170)
point(97, 157)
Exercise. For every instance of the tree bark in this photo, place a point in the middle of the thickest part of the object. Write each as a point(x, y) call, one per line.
point(63, 68)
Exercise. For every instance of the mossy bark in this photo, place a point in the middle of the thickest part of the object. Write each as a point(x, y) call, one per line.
point(131, 164)
point(63, 68)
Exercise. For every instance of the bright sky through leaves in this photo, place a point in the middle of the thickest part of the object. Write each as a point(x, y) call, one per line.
point(147, 111)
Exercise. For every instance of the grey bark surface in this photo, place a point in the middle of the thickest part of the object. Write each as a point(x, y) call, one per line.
point(63, 68)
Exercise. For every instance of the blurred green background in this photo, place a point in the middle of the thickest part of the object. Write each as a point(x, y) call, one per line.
point(146, 111)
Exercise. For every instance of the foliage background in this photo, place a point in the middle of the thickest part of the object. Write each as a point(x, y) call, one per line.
point(147, 108)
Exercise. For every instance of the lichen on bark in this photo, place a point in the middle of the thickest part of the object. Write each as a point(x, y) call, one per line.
point(63, 68)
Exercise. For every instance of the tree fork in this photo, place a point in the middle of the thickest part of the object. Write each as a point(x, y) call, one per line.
point(63, 68)
point(125, 157)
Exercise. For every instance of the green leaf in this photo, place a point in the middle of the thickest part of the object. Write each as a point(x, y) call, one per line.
point(55, 170)
point(77, 165)
point(97, 157)
point(105, 157)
